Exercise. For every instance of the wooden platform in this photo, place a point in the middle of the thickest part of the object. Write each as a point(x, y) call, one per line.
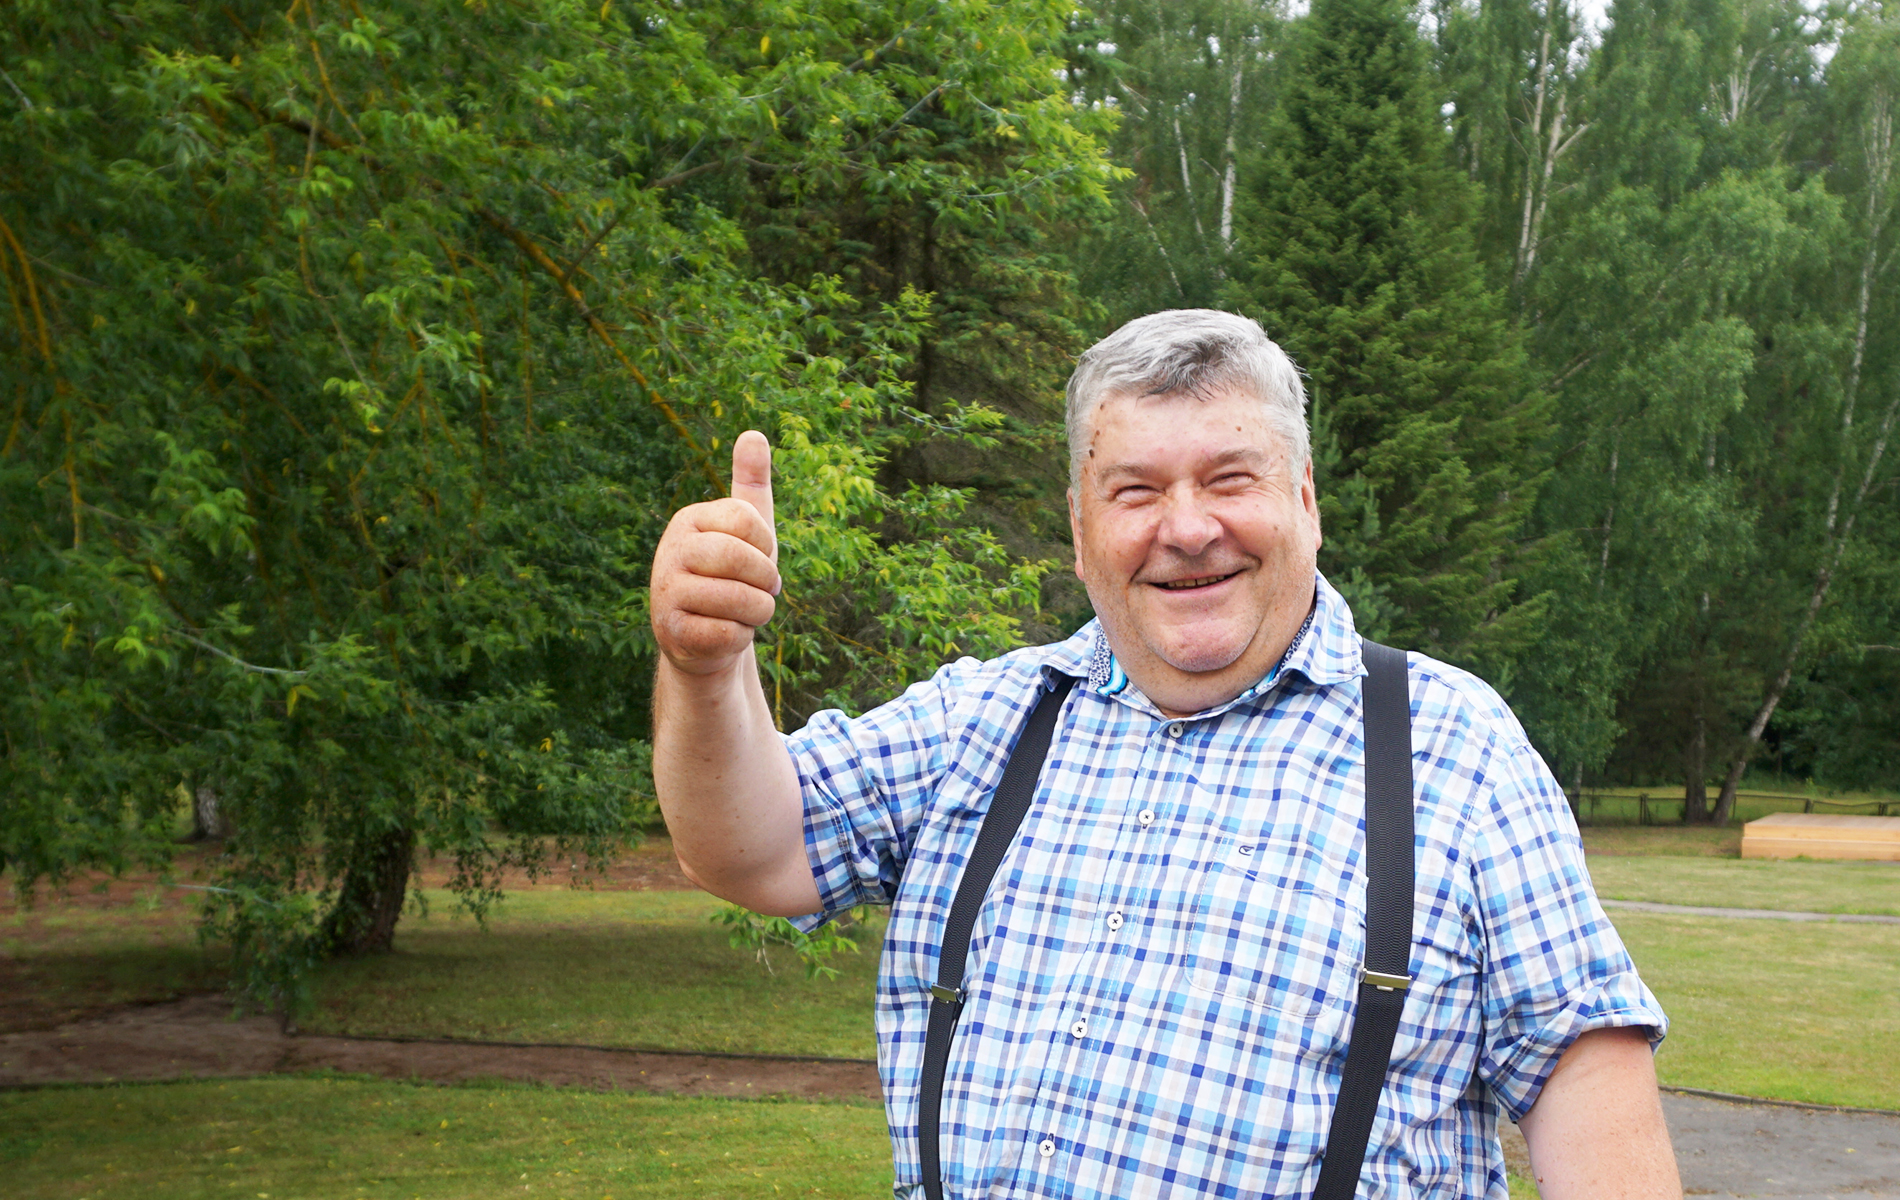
point(1819, 835)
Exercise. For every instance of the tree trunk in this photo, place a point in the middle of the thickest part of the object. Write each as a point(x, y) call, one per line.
point(1878, 140)
point(1230, 171)
point(208, 820)
point(1695, 769)
point(370, 903)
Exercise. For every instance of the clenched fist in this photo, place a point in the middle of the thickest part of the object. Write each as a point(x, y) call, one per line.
point(716, 570)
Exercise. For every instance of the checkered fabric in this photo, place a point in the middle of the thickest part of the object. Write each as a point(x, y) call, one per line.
point(1161, 980)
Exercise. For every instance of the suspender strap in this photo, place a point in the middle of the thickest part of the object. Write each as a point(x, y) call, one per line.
point(1007, 808)
point(1389, 899)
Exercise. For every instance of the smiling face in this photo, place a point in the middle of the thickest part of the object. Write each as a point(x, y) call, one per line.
point(1197, 542)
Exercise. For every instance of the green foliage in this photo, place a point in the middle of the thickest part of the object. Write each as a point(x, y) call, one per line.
point(1194, 81)
point(750, 931)
point(359, 354)
point(1357, 257)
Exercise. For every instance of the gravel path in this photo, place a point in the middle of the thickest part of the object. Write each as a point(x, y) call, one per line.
point(1751, 914)
point(1790, 1153)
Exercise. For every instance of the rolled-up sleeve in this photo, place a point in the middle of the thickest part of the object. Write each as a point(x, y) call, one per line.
point(865, 782)
point(1554, 965)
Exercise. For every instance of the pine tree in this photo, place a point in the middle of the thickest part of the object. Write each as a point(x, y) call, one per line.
point(1357, 256)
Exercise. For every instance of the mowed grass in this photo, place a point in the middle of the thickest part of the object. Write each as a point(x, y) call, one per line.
point(61, 959)
point(1673, 841)
point(1791, 1011)
point(347, 1139)
point(637, 969)
point(1785, 886)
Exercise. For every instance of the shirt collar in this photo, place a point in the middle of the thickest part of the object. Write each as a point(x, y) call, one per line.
point(1324, 651)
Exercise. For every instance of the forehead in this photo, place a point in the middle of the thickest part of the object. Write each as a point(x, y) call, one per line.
point(1141, 434)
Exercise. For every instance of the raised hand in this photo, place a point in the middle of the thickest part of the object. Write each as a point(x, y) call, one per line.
point(716, 570)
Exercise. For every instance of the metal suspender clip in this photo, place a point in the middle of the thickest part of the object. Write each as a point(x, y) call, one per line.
point(947, 995)
point(1385, 983)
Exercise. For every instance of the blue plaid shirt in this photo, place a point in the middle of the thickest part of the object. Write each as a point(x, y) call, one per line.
point(1161, 981)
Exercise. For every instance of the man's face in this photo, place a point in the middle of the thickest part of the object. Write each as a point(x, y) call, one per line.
point(1197, 542)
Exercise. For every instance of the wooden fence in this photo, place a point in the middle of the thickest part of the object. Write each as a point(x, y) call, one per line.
point(1590, 805)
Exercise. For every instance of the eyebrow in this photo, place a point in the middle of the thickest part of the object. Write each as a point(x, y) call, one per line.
point(1225, 458)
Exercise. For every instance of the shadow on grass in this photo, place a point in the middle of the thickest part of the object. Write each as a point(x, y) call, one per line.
point(640, 970)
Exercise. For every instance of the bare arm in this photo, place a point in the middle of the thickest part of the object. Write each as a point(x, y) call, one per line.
point(726, 784)
point(1596, 1130)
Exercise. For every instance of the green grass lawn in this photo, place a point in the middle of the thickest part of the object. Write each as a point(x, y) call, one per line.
point(640, 969)
point(1793, 1011)
point(1672, 841)
point(348, 1139)
point(60, 960)
point(1788, 886)
point(1774, 1008)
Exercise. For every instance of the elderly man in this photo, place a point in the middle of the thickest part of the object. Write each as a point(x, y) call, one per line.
point(1160, 988)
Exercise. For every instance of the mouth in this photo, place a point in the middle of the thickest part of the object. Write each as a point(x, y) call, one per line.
point(1195, 584)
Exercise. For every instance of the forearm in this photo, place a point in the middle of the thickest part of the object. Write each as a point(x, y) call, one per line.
point(729, 791)
point(1597, 1131)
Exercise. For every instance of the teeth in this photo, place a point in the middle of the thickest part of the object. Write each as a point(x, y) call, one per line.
point(1175, 585)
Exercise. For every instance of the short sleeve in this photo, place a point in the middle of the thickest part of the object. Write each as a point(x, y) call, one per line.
point(1555, 966)
point(866, 781)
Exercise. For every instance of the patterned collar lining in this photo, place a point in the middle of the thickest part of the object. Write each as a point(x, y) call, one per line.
point(1105, 674)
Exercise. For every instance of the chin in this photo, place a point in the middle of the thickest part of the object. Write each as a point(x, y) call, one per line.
point(1201, 660)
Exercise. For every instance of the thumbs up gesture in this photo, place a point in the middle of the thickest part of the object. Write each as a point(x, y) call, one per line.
point(716, 570)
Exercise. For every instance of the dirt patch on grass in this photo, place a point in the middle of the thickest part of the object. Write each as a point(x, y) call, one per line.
point(198, 1038)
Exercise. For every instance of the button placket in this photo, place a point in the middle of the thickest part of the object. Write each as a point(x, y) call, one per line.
point(1048, 1148)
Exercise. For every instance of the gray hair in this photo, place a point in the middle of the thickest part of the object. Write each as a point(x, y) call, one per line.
point(1188, 351)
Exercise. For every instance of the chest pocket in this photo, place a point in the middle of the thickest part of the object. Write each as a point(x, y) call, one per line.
point(1275, 930)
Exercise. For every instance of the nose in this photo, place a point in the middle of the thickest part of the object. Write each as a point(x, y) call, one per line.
point(1186, 523)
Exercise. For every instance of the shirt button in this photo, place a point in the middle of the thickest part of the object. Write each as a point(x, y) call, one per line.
point(1048, 1147)
point(1079, 1028)
point(1146, 816)
point(1177, 729)
point(1114, 922)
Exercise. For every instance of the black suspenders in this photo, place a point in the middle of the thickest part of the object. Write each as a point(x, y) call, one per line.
point(1387, 972)
point(1007, 807)
point(1389, 897)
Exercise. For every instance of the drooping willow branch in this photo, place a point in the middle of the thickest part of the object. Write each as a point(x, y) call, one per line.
point(539, 257)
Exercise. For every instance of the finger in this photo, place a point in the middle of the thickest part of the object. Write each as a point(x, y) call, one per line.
point(752, 476)
point(697, 644)
point(720, 555)
point(733, 517)
point(726, 600)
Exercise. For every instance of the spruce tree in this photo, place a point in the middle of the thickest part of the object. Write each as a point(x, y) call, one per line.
point(1357, 256)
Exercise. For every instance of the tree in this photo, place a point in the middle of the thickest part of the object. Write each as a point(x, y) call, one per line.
point(1356, 254)
point(1514, 71)
point(1680, 314)
point(1193, 83)
point(1866, 76)
point(357, 356)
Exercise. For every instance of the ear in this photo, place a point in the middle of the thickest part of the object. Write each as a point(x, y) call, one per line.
point(1309, 500)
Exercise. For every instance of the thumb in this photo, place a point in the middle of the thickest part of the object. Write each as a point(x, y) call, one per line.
point(752, 477)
